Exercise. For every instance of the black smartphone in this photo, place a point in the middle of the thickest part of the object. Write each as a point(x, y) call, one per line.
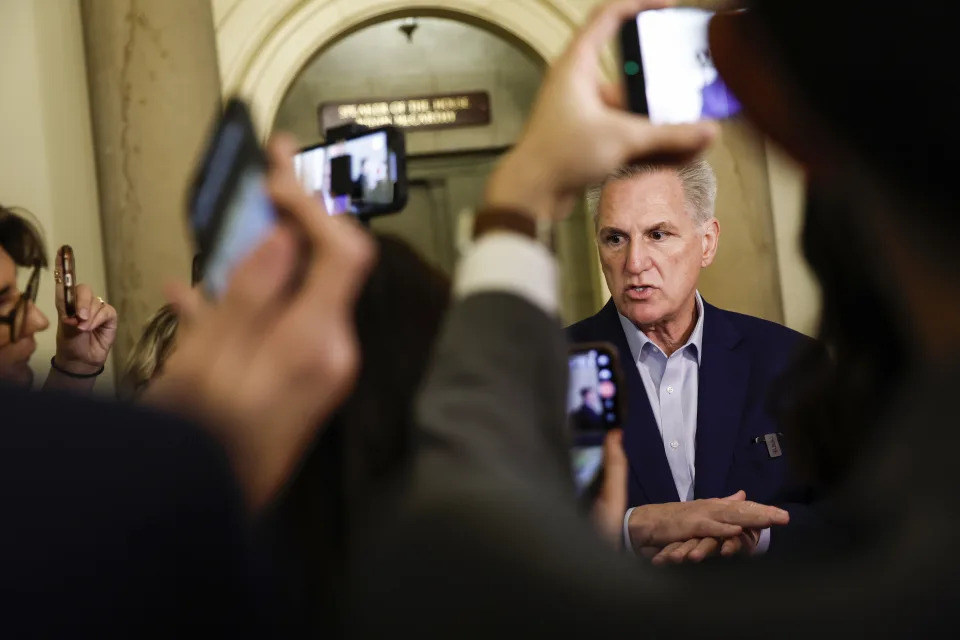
point(668, 70)
point(363, 174)
point(69, 280)
point(230, 211)
point(594, 406)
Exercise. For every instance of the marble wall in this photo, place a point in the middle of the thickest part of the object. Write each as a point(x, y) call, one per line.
point(154, 92)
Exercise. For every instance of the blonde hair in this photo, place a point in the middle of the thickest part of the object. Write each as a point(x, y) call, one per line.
point(155, 345)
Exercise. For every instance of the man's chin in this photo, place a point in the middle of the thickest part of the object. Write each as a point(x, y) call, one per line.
point(641, 312)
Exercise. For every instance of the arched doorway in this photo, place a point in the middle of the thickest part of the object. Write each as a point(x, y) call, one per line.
point(399, 58)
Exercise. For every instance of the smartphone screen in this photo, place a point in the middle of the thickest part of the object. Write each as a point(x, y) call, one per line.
point(362, 175)
point(230, 210)
point(248, 219)
point(669, 71)
point(593, 408)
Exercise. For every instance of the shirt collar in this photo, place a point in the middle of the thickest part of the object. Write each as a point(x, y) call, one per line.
point(637, 339)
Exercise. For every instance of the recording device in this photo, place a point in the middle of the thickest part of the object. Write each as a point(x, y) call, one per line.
point(69, 281)
point(230, 211)
point(358, 171)
point(668, 68)
point(594, 407)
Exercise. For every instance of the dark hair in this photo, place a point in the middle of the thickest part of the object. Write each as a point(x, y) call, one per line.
point(584, 391)
point(833, 399)
point(359, 460)
point(20, 238)
point(866, 63)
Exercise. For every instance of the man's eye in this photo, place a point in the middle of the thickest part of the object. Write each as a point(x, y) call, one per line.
point(615, 239)
point(657, 235)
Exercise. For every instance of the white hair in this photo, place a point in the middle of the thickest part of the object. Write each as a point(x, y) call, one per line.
point(697, 178)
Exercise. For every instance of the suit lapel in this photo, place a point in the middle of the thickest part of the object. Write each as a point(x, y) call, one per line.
point(641, 437)
point(724, 374)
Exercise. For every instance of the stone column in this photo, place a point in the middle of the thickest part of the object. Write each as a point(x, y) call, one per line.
point(154, 90)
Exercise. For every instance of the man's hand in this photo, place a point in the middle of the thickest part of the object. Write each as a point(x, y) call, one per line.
point(689, 523)
point(84, 341)
point(264, 367)
point(611, 504)
point(698, 549)
point(579, 131)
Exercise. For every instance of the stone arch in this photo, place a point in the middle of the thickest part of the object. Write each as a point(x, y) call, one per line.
point(263, 46)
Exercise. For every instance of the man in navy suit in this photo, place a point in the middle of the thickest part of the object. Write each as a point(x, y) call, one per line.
point(698, 378)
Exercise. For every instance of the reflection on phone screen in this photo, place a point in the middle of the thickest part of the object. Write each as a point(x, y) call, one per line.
point(249, 219)
point(352, 176)
point(591, 398)
point(682, 85)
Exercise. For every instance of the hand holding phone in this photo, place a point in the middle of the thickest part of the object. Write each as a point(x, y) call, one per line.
point(594, 406)
point(68, 280)
point(230, 212)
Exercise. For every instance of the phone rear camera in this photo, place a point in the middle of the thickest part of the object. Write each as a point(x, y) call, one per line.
point(604, 374)
point(603, 360)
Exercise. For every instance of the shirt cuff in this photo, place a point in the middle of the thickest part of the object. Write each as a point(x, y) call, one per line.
point(508, 262)
point(763, 544)
point(627, 543)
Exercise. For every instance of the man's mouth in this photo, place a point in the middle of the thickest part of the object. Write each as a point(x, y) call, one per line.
point(640, 292)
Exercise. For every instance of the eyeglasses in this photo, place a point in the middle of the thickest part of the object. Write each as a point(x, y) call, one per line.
point(17, 318)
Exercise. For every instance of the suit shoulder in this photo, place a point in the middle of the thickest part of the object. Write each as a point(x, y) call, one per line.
point(587, 330)
point(766, 334)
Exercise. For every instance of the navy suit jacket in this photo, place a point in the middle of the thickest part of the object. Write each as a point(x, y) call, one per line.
point(742, 359)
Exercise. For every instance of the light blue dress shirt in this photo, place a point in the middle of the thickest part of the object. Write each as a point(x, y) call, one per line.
point(673, 386)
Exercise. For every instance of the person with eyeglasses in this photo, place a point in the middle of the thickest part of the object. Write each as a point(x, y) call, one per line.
point(83, 342)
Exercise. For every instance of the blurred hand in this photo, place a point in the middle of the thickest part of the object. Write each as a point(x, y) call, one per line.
point(611, 504)
point(661, 525)
point(579, 131)
point(698, 549)
point(84, 341)
point(261, 367)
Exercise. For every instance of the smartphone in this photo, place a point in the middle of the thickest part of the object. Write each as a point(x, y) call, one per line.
point(594, 406)
point(668, 70)
point(230, 212)
point(363, 174)
point(69, 278)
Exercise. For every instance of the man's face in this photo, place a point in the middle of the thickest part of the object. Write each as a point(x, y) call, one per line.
point(15, 356)
point(591, 399)
point(651, 249)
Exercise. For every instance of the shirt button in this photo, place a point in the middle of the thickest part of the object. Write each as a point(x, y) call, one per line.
point(669, 389)
point(674, 444)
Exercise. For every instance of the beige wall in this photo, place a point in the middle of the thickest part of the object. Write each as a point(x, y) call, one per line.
point(46, 149)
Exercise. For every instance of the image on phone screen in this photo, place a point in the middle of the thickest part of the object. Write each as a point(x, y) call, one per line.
point(248, 220)
point(592, 410)
point(354, 176)
point(680, 82)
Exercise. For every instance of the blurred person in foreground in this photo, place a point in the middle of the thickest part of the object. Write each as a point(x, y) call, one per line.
point(489, 517)
point(83, 342)
point(123, 521)
point(699, 378)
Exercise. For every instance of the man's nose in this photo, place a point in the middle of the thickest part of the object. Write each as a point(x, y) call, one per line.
point(36, 321)
point(638, 259)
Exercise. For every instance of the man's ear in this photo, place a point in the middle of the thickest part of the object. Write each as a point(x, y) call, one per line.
point(710, 241)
